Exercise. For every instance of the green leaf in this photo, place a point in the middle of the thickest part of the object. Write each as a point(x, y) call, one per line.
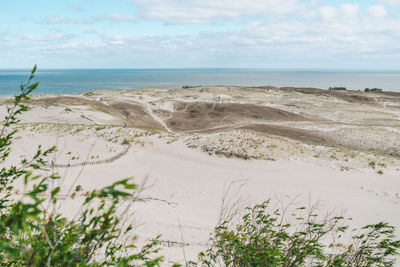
point(55, 192)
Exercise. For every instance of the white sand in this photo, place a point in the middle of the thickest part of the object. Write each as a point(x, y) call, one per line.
point(193, 183)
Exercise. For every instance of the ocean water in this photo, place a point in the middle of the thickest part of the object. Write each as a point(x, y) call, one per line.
point(75, 81)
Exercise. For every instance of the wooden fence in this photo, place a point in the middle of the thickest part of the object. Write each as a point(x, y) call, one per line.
point(95, 162)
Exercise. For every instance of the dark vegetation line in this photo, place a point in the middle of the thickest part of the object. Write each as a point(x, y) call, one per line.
point(96, 162)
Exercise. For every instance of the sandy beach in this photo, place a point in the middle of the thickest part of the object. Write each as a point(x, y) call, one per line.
point(192, 147)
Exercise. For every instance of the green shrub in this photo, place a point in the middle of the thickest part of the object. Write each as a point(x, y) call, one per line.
point(34, 233)
point(265, 239)
point(373, 90)
point(372, 164)
point(126, 141)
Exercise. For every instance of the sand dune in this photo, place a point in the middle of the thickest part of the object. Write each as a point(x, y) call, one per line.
point(339, 148)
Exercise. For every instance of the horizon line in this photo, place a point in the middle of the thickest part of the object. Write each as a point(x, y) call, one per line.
point(211, 68)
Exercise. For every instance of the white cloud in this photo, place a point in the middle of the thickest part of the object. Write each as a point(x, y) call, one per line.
point(112, 18)
point(327, 12)
point(54, 20)
point(291, 37)
point(292, 41)
point(46, 38)
point(350, 10)
point(377, 11)
point(116, 18)
point(390, 2)
point(283, 30)
point(90, 20)
point(80, 6)
point(274, 35)
point(206, 11)
point(78, 45)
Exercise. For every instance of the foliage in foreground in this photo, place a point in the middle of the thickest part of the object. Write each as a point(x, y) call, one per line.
point(264, 239)
point(33, 233)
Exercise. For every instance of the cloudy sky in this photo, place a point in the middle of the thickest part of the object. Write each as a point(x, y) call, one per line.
point(363, 34)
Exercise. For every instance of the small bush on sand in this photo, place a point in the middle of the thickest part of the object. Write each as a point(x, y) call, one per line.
point(125, 141)
point(264, 239)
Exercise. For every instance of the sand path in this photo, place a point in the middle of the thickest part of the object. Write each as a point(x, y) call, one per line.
point(157, 118)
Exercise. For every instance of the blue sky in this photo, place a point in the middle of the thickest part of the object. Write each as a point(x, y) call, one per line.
point(199, 34)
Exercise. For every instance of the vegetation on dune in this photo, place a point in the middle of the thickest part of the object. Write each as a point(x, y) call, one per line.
point(34, 233)
point(190, 86)
point(338, 88)
point(373, 90)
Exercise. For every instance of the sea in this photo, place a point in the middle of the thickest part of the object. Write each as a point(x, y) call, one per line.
point(76, 81)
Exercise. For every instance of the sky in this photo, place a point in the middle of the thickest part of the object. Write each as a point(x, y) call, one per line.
point(294, 34)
